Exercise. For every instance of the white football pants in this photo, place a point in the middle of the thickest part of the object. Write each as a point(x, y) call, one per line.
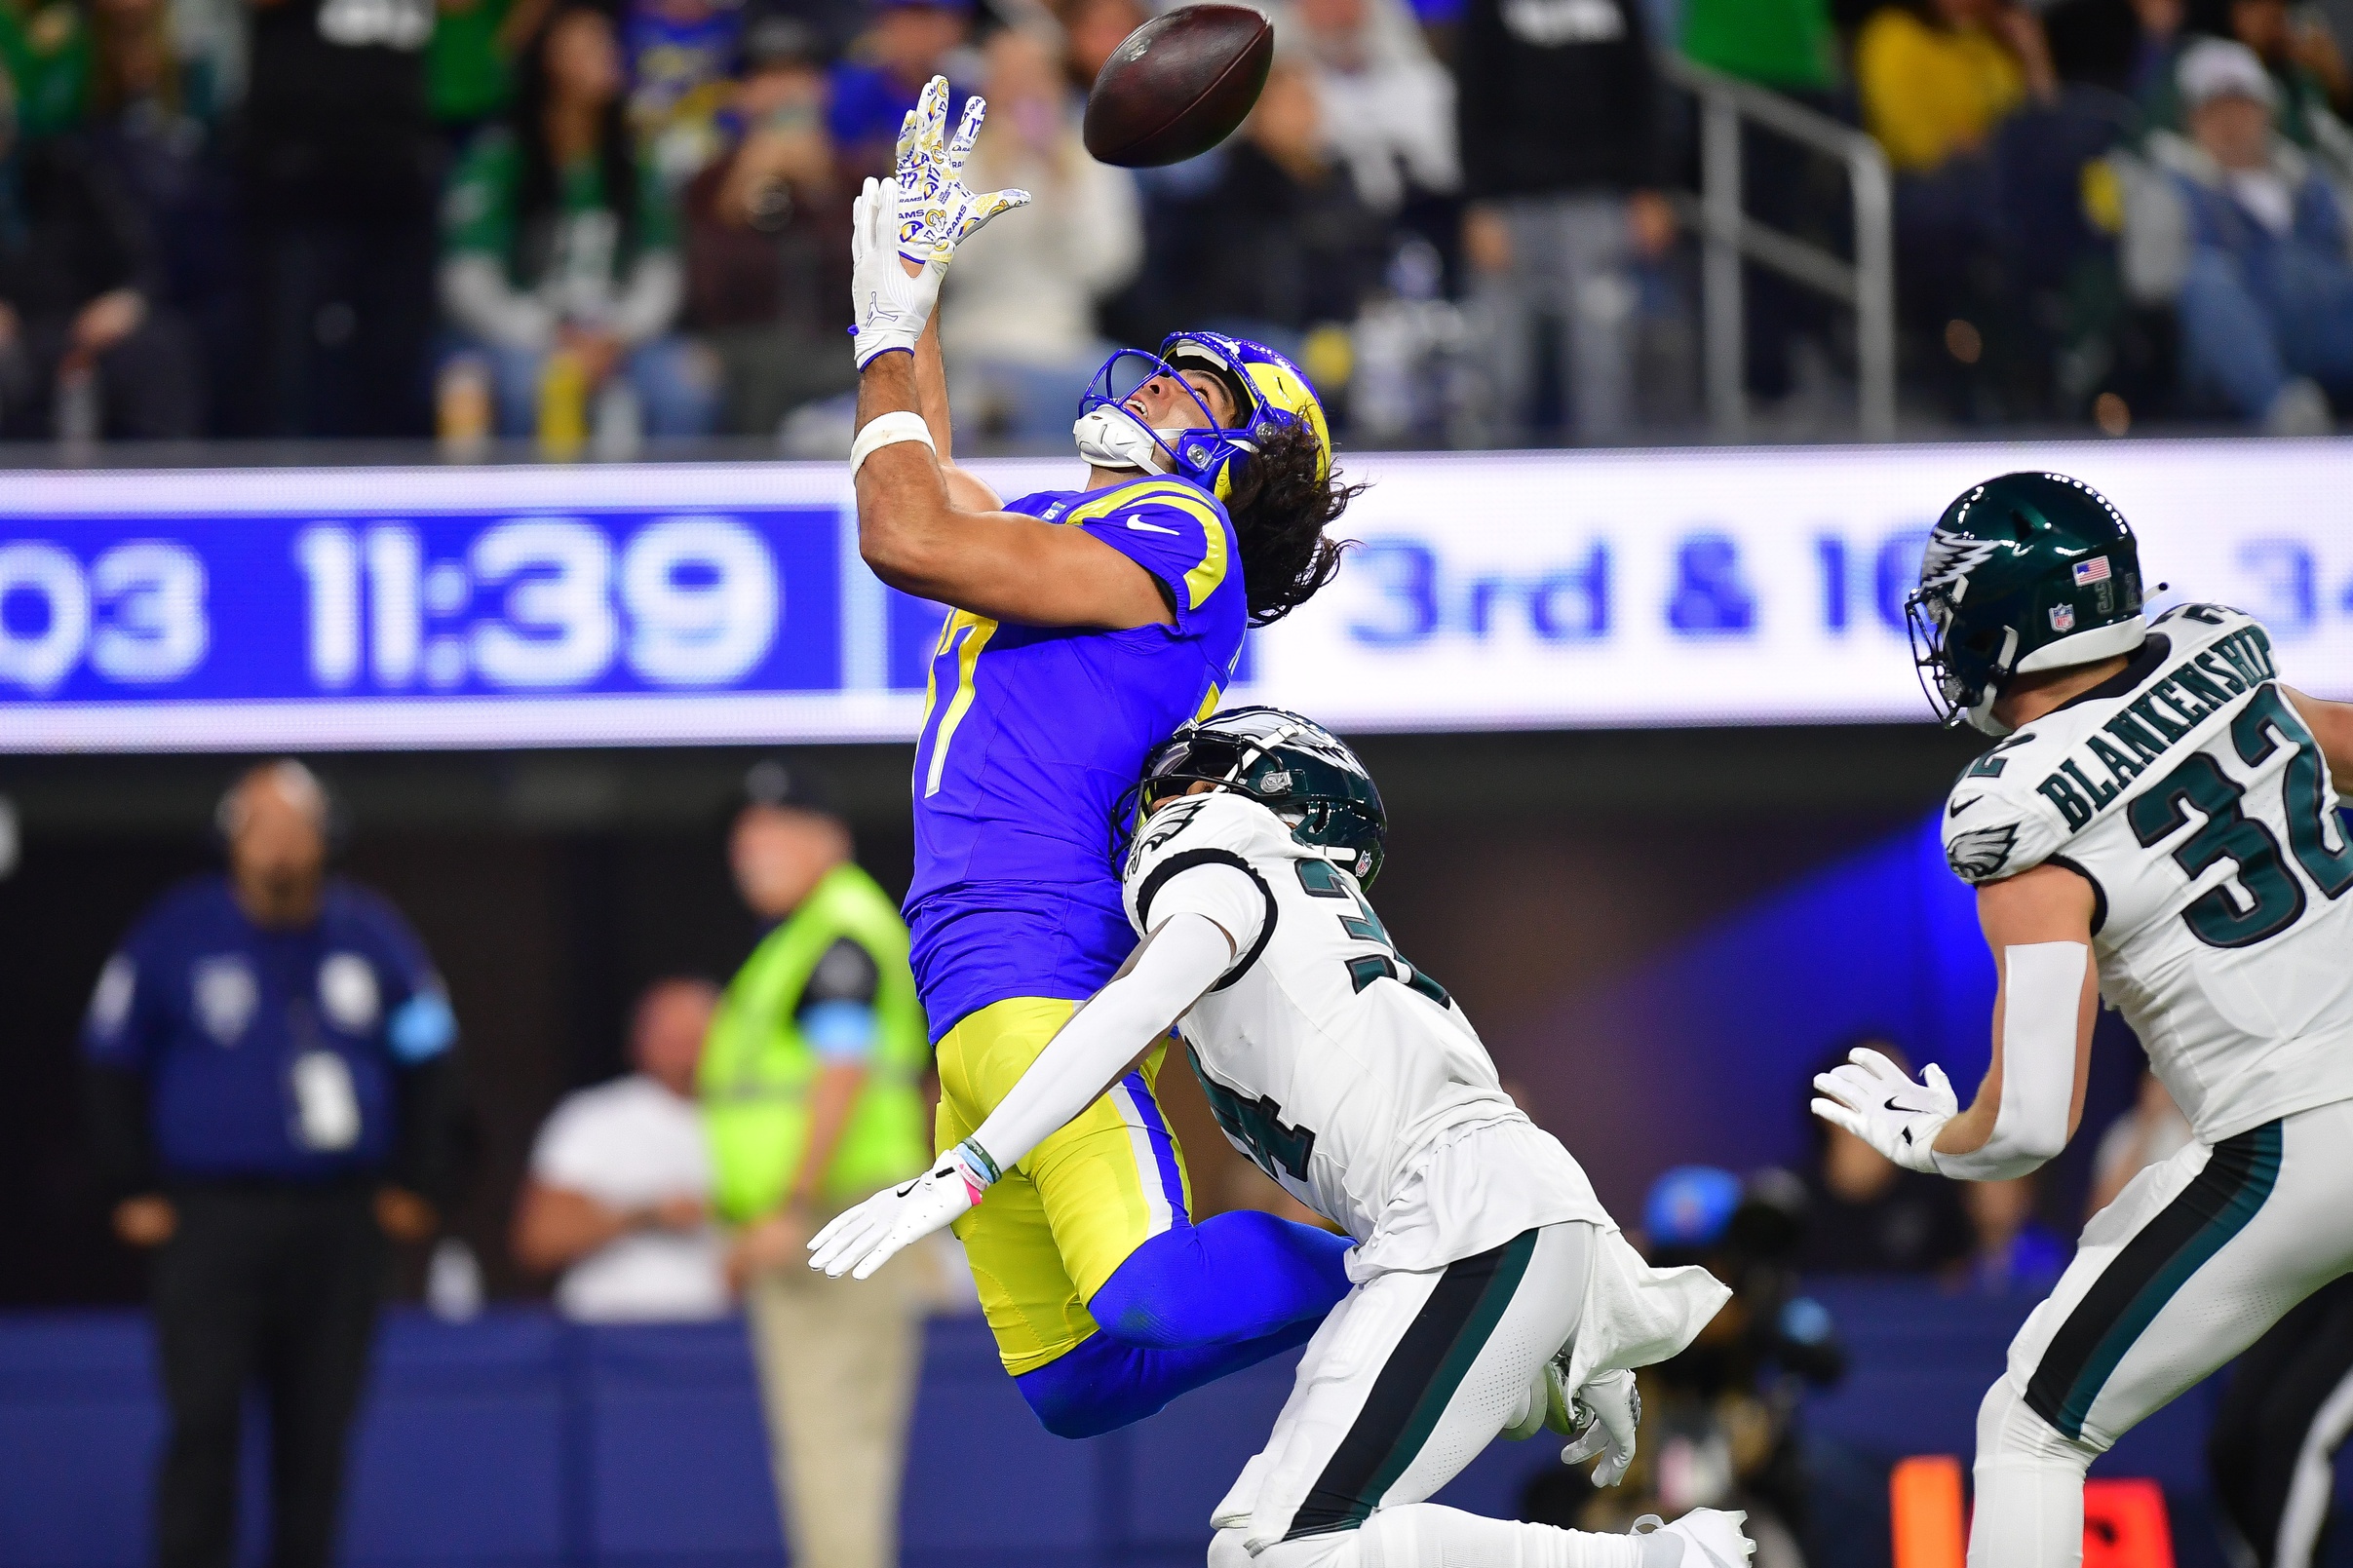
point(2188, 1267)
point(1412, 1376)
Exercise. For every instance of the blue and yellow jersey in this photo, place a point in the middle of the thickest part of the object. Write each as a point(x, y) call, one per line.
point(1030, 734)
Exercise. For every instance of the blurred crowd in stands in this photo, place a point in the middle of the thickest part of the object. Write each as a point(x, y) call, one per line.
point(592, 222)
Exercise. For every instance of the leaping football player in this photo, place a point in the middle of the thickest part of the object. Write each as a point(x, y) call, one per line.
point(1088, 625)
point(2156, 826)
point(1492, 1293)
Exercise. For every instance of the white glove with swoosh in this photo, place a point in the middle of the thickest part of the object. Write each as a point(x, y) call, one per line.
point(862, 1240)
point(1870, 1097)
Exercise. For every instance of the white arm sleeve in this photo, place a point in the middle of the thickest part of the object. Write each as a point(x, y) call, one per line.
point(2042, 998)
point(477, 296)
point(1221, 890)
point(1182, 959)
point(657, 289)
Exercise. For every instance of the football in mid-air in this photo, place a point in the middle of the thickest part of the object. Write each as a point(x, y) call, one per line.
point(1177, 86)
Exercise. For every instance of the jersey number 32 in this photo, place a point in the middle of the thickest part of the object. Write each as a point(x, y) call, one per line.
point(2273, 897)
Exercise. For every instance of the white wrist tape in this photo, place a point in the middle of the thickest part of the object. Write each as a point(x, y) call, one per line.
point(2042, 999)
point(888, 430)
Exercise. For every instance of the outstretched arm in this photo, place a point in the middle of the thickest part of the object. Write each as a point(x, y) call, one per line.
point(923, 526)
point(924, 537)
point(2039, 926)
point(966, 491)
point(1163, 979)
point(1165, 976)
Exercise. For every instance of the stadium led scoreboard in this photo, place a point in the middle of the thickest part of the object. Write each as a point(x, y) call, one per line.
point(708, 604)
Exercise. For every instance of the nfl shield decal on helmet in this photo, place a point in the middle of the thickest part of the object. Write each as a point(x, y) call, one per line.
point(2063, 617)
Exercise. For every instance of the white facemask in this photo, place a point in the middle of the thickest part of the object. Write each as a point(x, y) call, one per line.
point(1110, 437)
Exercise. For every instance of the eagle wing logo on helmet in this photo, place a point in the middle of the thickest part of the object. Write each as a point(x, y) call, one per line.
point(1953, 556)
point(1980, 852)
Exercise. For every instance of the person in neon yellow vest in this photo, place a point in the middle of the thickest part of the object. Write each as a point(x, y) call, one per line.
point(811, 1090)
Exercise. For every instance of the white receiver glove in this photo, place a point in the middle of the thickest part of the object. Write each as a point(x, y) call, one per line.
point(936, 211)
point(862, 1240)
point(1606, 1415)
point(1870, 1097)
point(890, 306)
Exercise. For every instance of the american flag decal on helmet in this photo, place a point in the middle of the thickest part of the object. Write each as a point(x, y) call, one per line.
point(2088, 572)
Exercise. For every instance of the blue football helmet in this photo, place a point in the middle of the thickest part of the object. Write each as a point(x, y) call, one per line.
point(1266, 386)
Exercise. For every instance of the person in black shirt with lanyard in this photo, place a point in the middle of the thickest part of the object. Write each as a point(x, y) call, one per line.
point(269, 1060)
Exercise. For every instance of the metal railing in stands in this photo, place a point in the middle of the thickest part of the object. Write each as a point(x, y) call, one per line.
point(1728, 234)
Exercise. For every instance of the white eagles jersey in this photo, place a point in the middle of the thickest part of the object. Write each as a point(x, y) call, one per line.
point(2188, 792)
point(1346, 1073)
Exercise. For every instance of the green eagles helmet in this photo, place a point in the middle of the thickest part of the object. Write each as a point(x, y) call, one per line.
point(2024, 572)
point(1291, 765)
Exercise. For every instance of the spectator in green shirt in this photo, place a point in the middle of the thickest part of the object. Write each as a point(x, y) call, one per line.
point(1788, 45)
point(1792, 48)
point(45, 48)
point(470, 60)
point(556, 240)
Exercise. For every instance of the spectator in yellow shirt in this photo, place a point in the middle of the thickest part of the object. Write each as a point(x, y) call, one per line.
point(1935, 81)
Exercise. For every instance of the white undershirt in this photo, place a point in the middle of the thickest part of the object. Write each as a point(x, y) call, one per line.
point(2267, 198)
point(629, 1144)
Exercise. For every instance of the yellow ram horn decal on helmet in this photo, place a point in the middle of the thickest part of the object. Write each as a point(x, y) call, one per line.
point(1292, 393)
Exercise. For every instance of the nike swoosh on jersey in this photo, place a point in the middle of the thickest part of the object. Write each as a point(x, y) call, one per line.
point(1961, 806)
point(1153, 527)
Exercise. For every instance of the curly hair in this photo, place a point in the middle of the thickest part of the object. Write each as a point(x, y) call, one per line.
point(1280, 510)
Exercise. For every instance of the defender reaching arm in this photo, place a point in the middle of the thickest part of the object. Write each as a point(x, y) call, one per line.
point(1163, 979)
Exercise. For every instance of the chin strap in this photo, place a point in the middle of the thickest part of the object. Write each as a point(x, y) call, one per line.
point(1109, 437)
point(1980, 715)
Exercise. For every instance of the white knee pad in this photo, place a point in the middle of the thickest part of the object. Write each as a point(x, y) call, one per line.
point(1334, 1550)
point(1226, 1550)
point(2029, 1487)
point(2009, 1431)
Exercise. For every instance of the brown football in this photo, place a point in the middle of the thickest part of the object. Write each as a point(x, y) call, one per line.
point(1177, 86)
